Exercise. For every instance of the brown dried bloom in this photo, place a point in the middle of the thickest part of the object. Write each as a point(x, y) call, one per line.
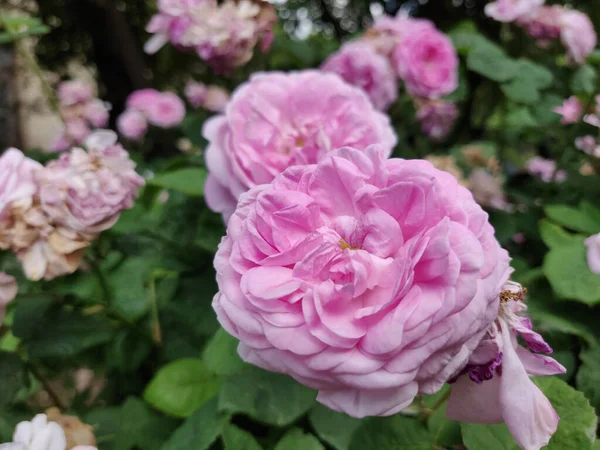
point(76, 432)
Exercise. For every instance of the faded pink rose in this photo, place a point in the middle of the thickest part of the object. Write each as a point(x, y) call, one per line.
point(86, 191)
point(437, 118)
point(168, 111)
point(577, 34)
point(216, 99)
point(388, 31)
point(96, 111)
point(77, 130)
point(571, 110)
point(498, 388)
point(8, 292)
point(361, 66)
point(511, 10)
point(593, 253)
point(543, 23)
point(426, 61)
point(132, 124)
point(17, 178)
point(277, 120)
point(75, 91)
point(370, 280)
point(545, 169)
point(589, 145)
point(143, 99)
point(195, 93)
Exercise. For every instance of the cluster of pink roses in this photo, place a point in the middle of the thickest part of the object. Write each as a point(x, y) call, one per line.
point(81, 113)
point(212, 98)
point(547, 23)
point(50, 215)
point(414, 51)
point(222, 34)
point(149, 106)
point(572, 111)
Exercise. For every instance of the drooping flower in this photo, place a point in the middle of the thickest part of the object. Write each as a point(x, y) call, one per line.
point(511, 10)
point(426, 60)
point(577, 34)
point(39, 434)
point(86, 191)
point(437, 117)
point(277, 120)
point(571, 110)
point(132, 124)
point(17, 178)
point(487, 190)
point(370, 280)
point(495, 386)
point(361, 66)
point(593, 253)
point(545, 169)
point(8, 292)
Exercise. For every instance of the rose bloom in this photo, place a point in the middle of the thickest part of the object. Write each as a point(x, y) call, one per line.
point(577, 35)
point(132, 124)
point(143, 99)
point(589, 145)
point(361, 66)
point(87, 191)
point(96, 111)
point(388, 31)
point(75, 91)
point(593, 253)
point(277, 120)
point(17, 178)
point(511, 10)
point(543, 23)
point(370, 280)
point(426, 61)
point(8, 292)
point(437, 118)
point(195, 93)
point(497, 387)
point(571, 110)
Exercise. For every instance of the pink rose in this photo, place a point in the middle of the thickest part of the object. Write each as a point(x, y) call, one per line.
point(589, 145)
point(571, 110)
point(277, 120)
point(543, 23)
point(132, 124)
point(437, 118)
point(143, 99)
point(96, 111)
point(8, 292)
point(387, 31)
point(167, 111)
point(195, 93)
point(87, 191)
point(498, 388)
point(359, 65)
point(577, 34)
point(511, 10)
point(17, 178)
point(593, 253)
point(426, 61)
point(545, 169)
point(77, 130)
point(73, 92)
point(370, 280)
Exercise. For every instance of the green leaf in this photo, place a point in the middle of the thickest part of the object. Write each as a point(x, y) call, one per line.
point(220, 354)
point(584, 80)
point(521, 91)
point(492, 63)
point(296, 439)
point(577, 426)
point(181, 387)
point(553, 235)
point(333, 427)
point(29, 314)
point(588, 376)
point(199, 430)
point(391, 433)
point(487, 437)
point(567, 270)
point(535, 74)
point(106, 423)
point(543, 111)
point(235, 438)
point(190, 181)
point(134, 415)
point(128, 285)
point(572, 218)
point(266, 397)
point(520, 118)
point(128, 351)
point(12, 374)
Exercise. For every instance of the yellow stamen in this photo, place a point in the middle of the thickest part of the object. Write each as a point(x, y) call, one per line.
point(507, 296)
point(345, 246)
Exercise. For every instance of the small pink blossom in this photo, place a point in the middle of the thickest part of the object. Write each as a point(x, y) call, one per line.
point(577, 34)
point(593, 253)
point(277, 120)
point(519, 238)
point(437, 118)
point(361, 66)
point(143, 99)
point(75, 91)
point(212, 98)
point(370, 280)
point(132, 124)
point(495, 386)
point(426, 61)
point(543, 23)
point(77, 130)
point(388, 31)
point(195, 93)
point(511, 10)
point(97, 112)
point(589, 145)
point(168, 111)
point(571, 110)
point(545, 169)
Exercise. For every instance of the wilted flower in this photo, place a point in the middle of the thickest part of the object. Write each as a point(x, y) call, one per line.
point(39, 434)
point(224, 35)
point(17, 178)
point(437, 117)
point(277, 120)
point(545, 169)
point(86, 191)
point(132, 124)
point(511, 10)
point(448, 164)
point(593, 253)
point(577, 34)
point(497, 387)
point(487, 190)
point(76, 432)
point(361, 66)
point(371, 280)
point(571, 110)
point(8, 292)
